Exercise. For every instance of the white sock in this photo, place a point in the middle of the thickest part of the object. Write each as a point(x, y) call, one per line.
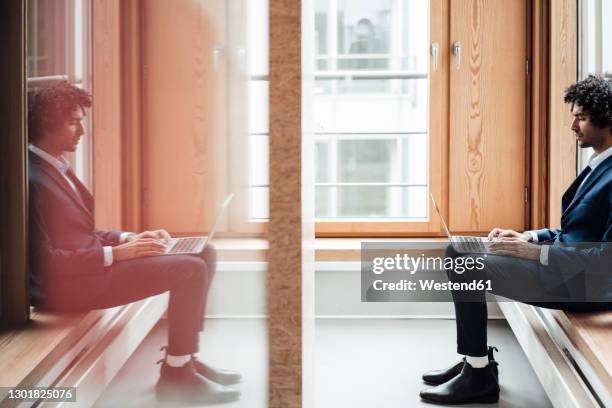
point(177, 361)
point(478, 362)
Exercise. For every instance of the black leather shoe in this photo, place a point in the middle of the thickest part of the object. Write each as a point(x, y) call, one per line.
point(186, 385)
point(438, 377)
point(471, 385)
point(218, 375)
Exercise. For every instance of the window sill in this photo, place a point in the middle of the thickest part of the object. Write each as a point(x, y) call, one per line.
point(326, 249)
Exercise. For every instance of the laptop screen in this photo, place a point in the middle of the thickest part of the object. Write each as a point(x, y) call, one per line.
point(440, 215)
point(225, 204)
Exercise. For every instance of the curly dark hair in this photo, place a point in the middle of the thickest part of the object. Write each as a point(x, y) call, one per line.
point(50, 104)
point(594, 95)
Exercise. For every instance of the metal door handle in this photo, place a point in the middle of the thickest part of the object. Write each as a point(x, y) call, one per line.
point(435, 48)
point(457, 51)
point(241, 54)
point(217, 51)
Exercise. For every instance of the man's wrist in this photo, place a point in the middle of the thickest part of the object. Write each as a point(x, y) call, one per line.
point(544, 254)
point(126, 237)
point(108, 255)
point(118, 254)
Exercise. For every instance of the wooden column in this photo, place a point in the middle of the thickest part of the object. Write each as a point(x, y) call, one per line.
point(14, 299)
point(291, 230)
point(563, 72)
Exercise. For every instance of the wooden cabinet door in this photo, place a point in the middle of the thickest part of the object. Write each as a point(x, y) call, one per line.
point(488, 119)
point(184, 113)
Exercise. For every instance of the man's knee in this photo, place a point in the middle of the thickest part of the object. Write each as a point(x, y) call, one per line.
point(209, 256)
point(451, 252)
point(192, 269)
point(210, 252)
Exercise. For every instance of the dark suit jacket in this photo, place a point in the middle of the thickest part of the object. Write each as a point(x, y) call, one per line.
point(582, 244)
point(66, 255)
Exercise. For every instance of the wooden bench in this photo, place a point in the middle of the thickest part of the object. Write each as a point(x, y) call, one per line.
point(571, 353)
point(83, 350)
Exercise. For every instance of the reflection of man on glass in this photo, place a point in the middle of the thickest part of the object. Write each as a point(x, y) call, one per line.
point(76, 267)
point(365, 43)
point(546, 267)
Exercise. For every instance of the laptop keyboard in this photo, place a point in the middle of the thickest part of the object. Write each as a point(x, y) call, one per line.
point(470, 244)
point(186, 245)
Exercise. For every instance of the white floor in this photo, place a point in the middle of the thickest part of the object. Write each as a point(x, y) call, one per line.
point(359, 363)
point(237, 344)
point(378, 363)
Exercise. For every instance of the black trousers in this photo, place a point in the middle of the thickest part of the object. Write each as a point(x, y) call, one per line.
point(187, 277)
point(513, 278)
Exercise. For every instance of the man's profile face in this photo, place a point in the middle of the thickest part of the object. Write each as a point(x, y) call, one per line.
point(364, 31)
point(587, 134)
point(68, 135)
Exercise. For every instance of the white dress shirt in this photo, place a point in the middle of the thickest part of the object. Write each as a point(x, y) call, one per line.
point(62, 165)
point(594, 161)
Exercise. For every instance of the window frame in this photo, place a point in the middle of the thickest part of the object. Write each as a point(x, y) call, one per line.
point(241, 75)
point(81, 160)
point(437, 133)
point(584, 12)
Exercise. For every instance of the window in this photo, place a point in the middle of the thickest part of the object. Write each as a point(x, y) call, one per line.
point(248, 117)
point(374, 144)
point(371, 114)
point(594, 47)
point(257, 61)
point(58, 48)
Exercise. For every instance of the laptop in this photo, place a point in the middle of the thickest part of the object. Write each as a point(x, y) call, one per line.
point(195, 245)
point(463, 244)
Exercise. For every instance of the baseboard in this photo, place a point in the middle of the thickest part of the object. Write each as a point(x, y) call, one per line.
point(95, 366)
point(337, 293)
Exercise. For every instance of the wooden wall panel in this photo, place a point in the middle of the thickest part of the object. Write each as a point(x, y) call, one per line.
point(439, 142)
point(131, 91)
point(14, 284)
point(106, 90)
point(488, 115)
point(563, 72)
point(539, 114)
point(184, 103)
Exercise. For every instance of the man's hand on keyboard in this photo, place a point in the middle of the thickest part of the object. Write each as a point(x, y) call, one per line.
point(516, 248)
point(138, 248)
point(500, 234)
point(160, 234)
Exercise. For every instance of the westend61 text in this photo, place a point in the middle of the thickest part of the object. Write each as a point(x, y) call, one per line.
point(429, 284)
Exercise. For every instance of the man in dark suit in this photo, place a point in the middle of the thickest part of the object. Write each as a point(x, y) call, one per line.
point(566, 268)
point(76, 267)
